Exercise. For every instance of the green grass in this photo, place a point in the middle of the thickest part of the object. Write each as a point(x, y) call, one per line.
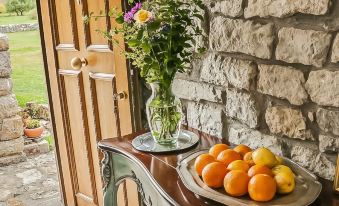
point(14, 19)
point(27, 65)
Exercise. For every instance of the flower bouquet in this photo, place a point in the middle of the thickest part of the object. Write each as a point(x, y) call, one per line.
point(161, 38)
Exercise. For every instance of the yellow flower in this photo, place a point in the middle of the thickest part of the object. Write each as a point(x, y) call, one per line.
point(142, 16)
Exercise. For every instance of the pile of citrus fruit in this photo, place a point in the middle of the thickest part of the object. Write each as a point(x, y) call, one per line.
point(241, 171)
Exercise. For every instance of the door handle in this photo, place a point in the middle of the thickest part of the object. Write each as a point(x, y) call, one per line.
point(77, 63)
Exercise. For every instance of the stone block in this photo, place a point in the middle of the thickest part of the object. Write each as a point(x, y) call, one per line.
point(213, 70)
point(283, 8)
point(242, 106)
point(11, 147)
point(196, 91)
point(205, 117)
point(220, 70)
point(12, 159)
point(335, 50)
point(229, 35)
point(287, 122)
point(232, 8)
point(313, 161)
point(29, 176)
point(307, 47)
point(328, 143)
point(5, 86)
point(323, 87)
point(3, 42)
point(282, 82)
point(241, 73)
point(11, 128)
point(8, 106)
point(240, 134)
point(328, 120)
point(36, 148)
point(5, 194)
point(5, 64)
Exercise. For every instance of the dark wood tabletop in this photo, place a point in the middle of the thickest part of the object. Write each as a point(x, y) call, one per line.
point(162, 167)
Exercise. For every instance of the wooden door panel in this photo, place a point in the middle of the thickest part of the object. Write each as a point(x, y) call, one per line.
point(95, 41)
point(102, 88)
point(85, 111)
point(128, 194)
point(78, 139)
point(132, 193)
point(65, 179)
point(65, 25)
point(102, 63)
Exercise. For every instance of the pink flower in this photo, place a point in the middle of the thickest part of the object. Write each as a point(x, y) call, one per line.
point(128, 17)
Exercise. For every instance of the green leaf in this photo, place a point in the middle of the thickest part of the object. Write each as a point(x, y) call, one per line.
point(120, 19)
point(153, 26)
point(146, 47)
point(140, 34)
point(133, 42)
point(201, 50)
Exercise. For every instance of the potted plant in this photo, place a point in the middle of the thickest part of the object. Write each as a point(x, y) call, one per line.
point(160, 36)
point(33, 128)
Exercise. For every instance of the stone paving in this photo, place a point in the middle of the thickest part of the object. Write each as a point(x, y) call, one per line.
point(30, 183)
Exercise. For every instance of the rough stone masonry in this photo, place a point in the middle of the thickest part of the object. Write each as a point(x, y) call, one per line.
point(270, 78)
point(11, 126)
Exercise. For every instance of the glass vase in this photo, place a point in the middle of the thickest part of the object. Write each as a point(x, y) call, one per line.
point(164, 114)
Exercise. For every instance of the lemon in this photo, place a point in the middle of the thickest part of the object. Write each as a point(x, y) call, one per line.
point(285, 182)
point(263, 156)
point(282, 169)
point(279, 160)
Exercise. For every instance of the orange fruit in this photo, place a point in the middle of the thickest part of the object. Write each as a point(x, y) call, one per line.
point(236, 183)
point(214, 173)
point(216, 149)
point(248, 159)
point(260, 169)
point(262, 187)
point(238, 165)
point(242, 149)
point(228, 156)
point(201, 161)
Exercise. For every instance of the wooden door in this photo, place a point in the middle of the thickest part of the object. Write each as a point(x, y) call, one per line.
point(84, 74)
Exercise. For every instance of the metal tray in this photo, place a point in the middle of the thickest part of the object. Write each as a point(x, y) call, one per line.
point(145, 143)
point(306, 191)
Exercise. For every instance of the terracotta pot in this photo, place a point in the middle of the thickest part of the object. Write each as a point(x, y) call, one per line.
point(33, 133)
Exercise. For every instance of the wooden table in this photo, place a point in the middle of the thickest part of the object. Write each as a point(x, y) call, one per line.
point(157, 179)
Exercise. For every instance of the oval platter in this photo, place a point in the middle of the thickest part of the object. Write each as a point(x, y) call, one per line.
point(306, 191)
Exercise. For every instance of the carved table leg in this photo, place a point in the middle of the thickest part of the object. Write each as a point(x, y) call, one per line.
point(116, 168)
point(107, 176)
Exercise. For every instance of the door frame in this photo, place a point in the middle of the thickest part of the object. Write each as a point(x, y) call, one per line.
point(49, 57)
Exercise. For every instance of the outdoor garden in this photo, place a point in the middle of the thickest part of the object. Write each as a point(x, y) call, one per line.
point(26, 55)
point(28, 177)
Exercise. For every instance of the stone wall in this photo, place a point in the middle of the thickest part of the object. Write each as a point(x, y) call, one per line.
point(18, 27)
point(11, 126)
point(270, 78)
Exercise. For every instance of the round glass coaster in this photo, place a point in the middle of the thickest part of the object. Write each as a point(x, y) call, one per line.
point(146, 143)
